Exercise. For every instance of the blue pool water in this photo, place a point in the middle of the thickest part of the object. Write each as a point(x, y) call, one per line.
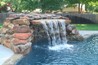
point(75, 53)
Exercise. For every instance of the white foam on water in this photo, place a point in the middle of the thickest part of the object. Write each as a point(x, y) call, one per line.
point(61, 47)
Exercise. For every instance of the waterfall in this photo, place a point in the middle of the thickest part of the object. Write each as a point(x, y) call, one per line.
point(56, 31)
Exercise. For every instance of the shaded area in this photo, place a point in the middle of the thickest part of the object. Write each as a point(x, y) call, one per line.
point(85, 18)
point(79, 20)
point(3, 17)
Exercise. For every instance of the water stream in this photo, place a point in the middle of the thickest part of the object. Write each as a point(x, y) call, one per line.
point(56, 32)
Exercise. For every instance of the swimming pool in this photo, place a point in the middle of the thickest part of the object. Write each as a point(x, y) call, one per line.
point(75, 53)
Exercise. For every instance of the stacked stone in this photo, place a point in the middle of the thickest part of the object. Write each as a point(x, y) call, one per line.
point(17, 31)
point(17, 35)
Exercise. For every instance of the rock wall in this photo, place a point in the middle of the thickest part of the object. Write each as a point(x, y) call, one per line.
point(16, 35)
point(20, 31)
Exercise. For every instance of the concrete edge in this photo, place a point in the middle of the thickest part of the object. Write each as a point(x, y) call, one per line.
point(13, 59)
point(86, 33)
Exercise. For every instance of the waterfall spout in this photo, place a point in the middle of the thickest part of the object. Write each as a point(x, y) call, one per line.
point(56, 31)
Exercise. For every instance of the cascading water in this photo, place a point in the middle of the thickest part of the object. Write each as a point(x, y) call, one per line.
point(56, 32)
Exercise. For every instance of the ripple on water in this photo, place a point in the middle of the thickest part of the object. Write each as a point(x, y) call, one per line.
point(78, 53)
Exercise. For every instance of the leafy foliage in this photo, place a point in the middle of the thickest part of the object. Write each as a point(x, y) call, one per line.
point(45, 5)
point(30, 5)
point(51, 4)
point(93, 6)
point(86, 2)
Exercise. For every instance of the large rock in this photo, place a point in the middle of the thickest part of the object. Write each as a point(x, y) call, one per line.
point(75, 38)
point(35, 22)
point(21, 22)
point(21, 29)
point(4, 30)
point(73, 33)
point(6, 42)
point(10, 26)
point(16, 41)
point(6, 23)
point(22, 36)
point(23, 49)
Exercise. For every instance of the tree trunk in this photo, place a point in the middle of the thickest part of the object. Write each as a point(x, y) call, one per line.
point(79, 8)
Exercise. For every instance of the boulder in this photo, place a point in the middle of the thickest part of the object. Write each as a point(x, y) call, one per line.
point(73, 33)
point(9, 32)
point(35, 22)
point(6, 23)
point(75, 38)
point(6, 42)
point(21, 22)
point(22, 36)
point(71, 29)
point(22, 49)
point(4, 30)
point(10, 26)
point(16, 41)
point(21, 29)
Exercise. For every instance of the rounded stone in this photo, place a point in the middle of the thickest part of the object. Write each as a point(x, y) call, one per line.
point(35, 22)
point(4, 30)
point(6, 23)
point(16, 41)
point(22, 49)
point(23, 36)
point(21, 21)
point(21, 29)
point(6, 42)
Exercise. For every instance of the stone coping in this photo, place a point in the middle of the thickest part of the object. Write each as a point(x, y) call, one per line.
point(87, 33)
point(7, 57)
point(38, 21)
point(5, 53)
point(13, 59)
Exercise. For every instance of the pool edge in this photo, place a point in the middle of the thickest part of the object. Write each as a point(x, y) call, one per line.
point(13, 59)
